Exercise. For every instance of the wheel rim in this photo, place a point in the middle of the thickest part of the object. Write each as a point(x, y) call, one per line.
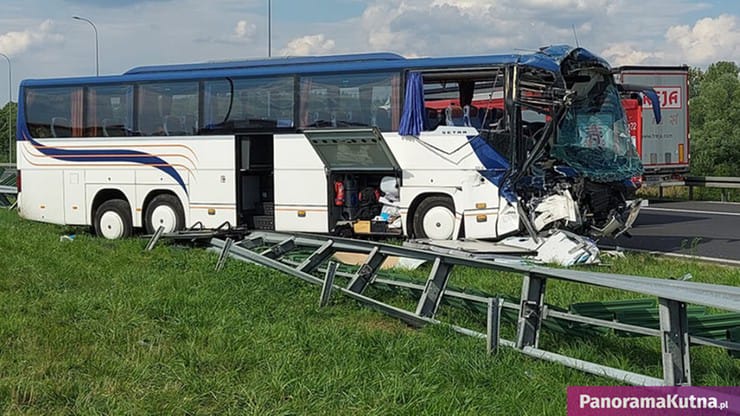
point(111, 225)
point(439, 223)
point(164, 216)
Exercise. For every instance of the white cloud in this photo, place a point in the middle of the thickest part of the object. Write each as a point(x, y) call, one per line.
point(709, 40)
point(626, 53)
point(565, 4)
point(473, 27)
point(18, 42)
point(245, 30)
point(309, 45)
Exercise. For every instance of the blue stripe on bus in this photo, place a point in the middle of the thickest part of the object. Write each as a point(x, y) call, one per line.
point(111, 155)
point(496, 166)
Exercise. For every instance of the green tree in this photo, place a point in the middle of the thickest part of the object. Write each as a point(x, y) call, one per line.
point(7, 138)
point(715, 122)
point(695, 77)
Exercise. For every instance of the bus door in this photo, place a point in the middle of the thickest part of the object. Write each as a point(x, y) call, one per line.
point(356, 162)
point(255, 182)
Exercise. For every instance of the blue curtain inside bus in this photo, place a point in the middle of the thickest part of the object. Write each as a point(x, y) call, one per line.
point(412, 119)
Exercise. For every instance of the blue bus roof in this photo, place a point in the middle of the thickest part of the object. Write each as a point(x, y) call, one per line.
point(547, 58)
point(269, 62)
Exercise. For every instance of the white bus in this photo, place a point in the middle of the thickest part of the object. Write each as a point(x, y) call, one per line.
point(303, 144)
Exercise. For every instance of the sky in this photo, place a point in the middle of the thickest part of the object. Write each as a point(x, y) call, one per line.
point(42, 39)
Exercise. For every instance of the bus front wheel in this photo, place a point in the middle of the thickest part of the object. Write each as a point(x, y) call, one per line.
point(165, 211)
point(113, 220)
point(435, 218)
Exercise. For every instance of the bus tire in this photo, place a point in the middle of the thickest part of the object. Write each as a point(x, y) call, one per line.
point(164, 210)
point(434, 218)
point(113, 220)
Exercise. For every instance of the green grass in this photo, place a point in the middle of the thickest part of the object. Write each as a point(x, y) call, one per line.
point(92, 326)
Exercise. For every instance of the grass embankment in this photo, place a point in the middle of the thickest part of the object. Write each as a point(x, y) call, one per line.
point(93, 326)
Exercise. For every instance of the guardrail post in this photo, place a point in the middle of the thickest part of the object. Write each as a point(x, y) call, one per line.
point(366, 272)
point(691, 192)
point(433, 290)
point(530, 314)
point(317, 257)
point(494, 324)
point(280, 248)
point(326, 287)
point(155, 237)
point(224, 254)
point(674, 328)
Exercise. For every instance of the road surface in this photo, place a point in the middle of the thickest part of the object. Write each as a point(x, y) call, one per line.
point(709, 229)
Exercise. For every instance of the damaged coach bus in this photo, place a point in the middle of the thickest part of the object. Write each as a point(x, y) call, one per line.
point(350, 144)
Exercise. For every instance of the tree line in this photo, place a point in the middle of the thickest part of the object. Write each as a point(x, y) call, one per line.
point(7, 132)
point(714, 120)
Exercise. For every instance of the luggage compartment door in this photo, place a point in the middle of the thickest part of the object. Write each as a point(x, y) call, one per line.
point(352, 150)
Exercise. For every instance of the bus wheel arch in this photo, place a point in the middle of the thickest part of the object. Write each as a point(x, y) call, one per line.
point(111, 215)
point(432, 215)
point(163, 208)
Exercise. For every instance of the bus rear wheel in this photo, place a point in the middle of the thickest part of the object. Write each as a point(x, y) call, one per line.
point(435, 218)
point(164, 211)
point(113, 220)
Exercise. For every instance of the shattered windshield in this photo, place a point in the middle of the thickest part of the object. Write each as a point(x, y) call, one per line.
point(593, 136)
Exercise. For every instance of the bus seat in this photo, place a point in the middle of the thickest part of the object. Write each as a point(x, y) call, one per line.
point(382, 119)
point(432, 118)
point(114, 127)
point(470, 117)
point(454, 115)
point(173, 126)
point(60, 127)
point(490, 118)
point(190, 124)
point(319, 119)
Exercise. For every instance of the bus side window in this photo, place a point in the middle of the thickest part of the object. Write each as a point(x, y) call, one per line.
point(108, 110)
point(149, 120)
point(60, 127)
point(382, 119)
point(114, 127)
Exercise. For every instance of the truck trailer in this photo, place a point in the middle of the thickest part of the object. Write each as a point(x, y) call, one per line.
point(663, 145)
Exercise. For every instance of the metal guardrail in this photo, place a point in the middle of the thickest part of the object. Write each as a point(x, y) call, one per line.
point(723, 182)
point(712, 182)
point(672, 296)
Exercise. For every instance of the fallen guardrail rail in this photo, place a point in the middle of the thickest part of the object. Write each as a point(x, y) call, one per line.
point(5, 195)
point(532, 313)
point(7, 184)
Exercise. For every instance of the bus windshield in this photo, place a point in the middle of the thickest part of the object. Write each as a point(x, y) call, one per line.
point(593, 136)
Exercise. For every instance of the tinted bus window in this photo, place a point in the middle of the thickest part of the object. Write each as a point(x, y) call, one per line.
point(249, 103)
point(108, 111)
point(350, 100)
point(54, 112)
point(167, 109)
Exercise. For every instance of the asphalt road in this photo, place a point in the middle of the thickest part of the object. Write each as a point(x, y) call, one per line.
point(709, 229)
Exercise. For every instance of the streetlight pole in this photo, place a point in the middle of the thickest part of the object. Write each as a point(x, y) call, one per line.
point(269, 28)
point(10, 115)
point(97, 61)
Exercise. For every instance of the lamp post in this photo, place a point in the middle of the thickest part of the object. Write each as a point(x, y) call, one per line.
point(269, 28)
point(97, 61)
point(10, 100)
